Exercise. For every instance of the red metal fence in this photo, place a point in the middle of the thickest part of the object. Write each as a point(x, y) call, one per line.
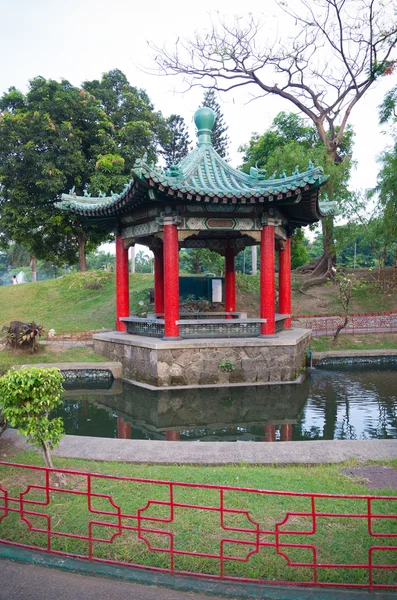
point(365, 323)
point(64, 337)
point(212, 531)
point(68, 337)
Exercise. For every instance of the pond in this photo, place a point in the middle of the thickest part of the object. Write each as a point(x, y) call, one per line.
point(337, 402)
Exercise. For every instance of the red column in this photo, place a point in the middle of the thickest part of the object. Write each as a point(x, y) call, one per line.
point(230, 281)
point(286, 433)
point(284, 281)
point(172, 436)
point(159, 280)
point(171, 279)
point(270, 433)
point(122, 290)
point(267, 282)
point(123, 429)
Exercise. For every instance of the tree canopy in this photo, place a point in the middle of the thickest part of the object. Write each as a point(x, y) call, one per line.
point(219, 137)
point(289, 143)
point(57, 137)
point(175, 144)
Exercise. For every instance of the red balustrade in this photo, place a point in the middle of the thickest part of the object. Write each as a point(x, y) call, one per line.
point(225, 528)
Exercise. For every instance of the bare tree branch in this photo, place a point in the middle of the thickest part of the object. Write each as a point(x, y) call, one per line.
point(339, 48)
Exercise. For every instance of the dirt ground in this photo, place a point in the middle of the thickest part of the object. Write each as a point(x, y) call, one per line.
point(377, 477)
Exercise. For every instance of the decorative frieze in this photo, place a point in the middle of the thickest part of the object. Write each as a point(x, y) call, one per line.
point(141, 230)
point(216, 223)
point(216, 208)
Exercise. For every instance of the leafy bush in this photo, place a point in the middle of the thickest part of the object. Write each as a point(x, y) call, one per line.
point(22, 334)
point(27, 397)
point(226, 366)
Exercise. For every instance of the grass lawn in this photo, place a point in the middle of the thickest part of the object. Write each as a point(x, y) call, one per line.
point(362, 341)
point(338, 540)
point(79, 301)
point(86, 301)
point(48, 354)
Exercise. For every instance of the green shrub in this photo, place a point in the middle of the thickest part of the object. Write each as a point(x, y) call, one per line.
point(27, 397)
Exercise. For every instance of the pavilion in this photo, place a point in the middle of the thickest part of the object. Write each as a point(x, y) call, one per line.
point(202, 202)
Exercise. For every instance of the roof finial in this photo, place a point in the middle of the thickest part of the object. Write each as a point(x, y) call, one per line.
point(204, 118)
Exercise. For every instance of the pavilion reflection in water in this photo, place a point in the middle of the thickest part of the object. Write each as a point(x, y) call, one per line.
point(212, 413)
point(359, 403)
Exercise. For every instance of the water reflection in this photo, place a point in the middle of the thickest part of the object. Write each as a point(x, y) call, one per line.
point(334, 403)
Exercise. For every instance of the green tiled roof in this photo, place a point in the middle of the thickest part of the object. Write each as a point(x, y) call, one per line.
point(203, 174)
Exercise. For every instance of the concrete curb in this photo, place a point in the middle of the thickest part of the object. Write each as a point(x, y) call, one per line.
point(353, 353)
point(226, 589)
point(214, 453)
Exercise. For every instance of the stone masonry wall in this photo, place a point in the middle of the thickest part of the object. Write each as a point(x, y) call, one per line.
point(202, 366)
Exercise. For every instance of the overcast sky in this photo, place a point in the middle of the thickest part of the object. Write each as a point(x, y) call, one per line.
point(80, 39)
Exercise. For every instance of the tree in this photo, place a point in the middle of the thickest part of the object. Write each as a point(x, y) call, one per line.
point(336, 52)
point(58, 137)
point(201, 260)
point(143, 262)
point(299, 255)
point(27, 397)
point(49, 142)
point(219, 137)
point(135, 126)
point(176, 143)
point(109, 174)
point(386, 188)
point(289, 143)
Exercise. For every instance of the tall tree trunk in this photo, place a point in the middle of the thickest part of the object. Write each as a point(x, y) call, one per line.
point(82, 256)
point(254, 259)
point(132, 256)
point(33, 266)
point(323, 268)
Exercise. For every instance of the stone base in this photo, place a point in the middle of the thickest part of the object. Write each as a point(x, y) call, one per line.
point(206, 361)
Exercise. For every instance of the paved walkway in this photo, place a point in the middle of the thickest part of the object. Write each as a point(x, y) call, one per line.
point(35, 582)
point(32, 582)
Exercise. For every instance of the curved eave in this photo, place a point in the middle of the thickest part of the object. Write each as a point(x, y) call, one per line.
point(328, 209)
point(133, 194)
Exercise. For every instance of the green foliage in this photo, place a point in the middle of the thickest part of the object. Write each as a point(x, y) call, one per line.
point(135, 127)
point(57, 137)
point(101, 261)
point(290, 143)
point(27, 397)
point(109, 175)
point(299, 254)
point(201, 261)
point(387, 110)
point(28, 336)
point(361, 245)
point(247, 283)
point(91, 280)
point(175, 144)
point(143, 262)
point(226, 366)
point(219, 137)
point(48, 144)
point(287, 143)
